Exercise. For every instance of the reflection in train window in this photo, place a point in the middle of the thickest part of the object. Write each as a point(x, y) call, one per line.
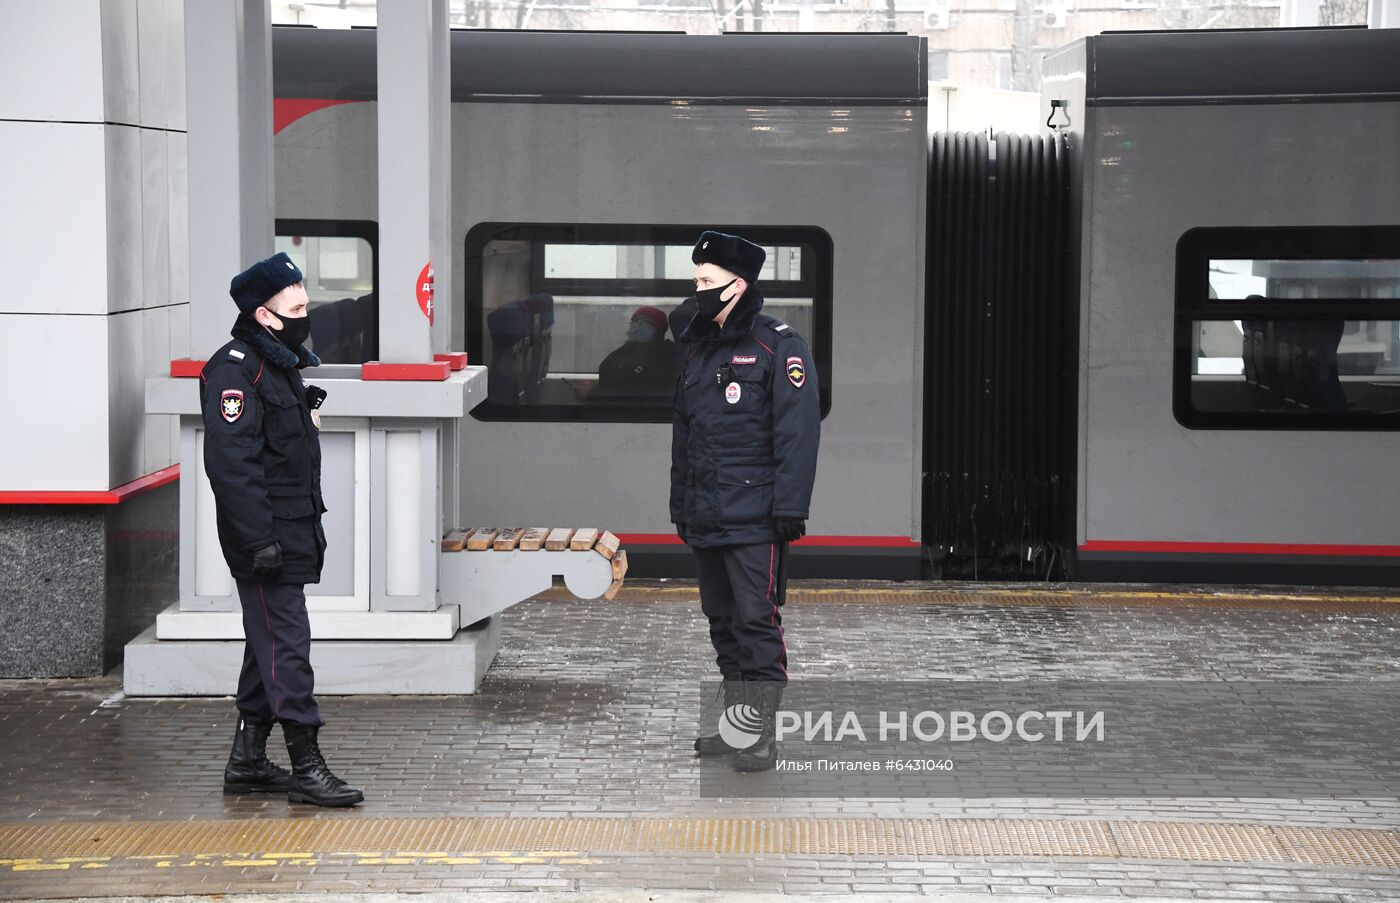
point(340, 270)
point(1297, 367)
point(1305, 280)
point(1288, 328)
point(583, 322)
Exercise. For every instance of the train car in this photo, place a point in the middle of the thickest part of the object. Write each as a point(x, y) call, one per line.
point(584, 166)
point(1237, 210)
point(1158, 341)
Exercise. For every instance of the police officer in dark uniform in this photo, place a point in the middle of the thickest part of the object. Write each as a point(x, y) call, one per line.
point(262, 454)
point(743, 460)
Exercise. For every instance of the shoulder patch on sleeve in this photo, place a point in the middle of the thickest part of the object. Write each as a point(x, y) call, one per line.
point(796, 371)
point(231, 404)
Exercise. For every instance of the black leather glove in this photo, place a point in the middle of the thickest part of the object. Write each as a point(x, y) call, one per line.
point(790, 529)
point(680, 531)
point(267, 561)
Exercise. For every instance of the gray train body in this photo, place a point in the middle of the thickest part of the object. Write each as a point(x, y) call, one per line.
point(1252, 135)
point(664, 130)
point(828, 134)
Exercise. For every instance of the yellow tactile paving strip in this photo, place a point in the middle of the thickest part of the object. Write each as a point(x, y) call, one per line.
point(639, 591)
point(424, 841)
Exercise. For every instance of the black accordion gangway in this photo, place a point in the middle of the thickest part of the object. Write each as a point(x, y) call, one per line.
point(1001, 332)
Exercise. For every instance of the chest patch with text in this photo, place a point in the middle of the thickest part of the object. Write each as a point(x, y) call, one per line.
point(745, 359)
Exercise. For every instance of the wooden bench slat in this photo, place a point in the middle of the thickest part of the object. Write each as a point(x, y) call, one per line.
point(558, 539)
point(608, 545)
point(481, 538)
point(454, 541)
point(534, 539)
point(583, 539)
point(507, 540)
point(619, 570)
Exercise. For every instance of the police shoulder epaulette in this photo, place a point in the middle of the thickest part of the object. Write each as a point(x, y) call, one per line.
point(246, 358)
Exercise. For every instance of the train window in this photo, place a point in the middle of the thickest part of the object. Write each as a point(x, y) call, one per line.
point(1315, 280)
point(1288, 328)
point(339, 260)
point(581, 322)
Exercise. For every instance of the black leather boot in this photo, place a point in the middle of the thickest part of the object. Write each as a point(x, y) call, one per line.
point(248, 769)
point(766, 696)
point(312, 782)
point(713, 744)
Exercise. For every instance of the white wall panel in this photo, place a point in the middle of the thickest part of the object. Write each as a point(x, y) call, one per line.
point(61, 418)
point(155, 220)
point(121, 88)
point(53, 217)
point(152, 47)
point(179, 347)
point(125, 235)
point(175, 63)
point(157, 442)
point(126, 407)
point(177, 198)
point(51, 60)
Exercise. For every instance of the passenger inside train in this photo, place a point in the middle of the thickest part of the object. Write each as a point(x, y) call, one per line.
point(643, 367)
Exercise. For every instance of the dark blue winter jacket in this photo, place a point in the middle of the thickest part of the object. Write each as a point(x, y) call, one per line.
point(262, 454)
point(746, 428)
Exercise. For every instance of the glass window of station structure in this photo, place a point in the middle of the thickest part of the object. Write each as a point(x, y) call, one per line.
point(340, 268)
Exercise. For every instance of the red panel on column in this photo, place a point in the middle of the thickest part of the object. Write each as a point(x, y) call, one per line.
point(186, 366)
point(457, 359)
point(437, 371)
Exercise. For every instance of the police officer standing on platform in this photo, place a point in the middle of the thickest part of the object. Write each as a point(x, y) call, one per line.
point(262, 454)
point(743, 460)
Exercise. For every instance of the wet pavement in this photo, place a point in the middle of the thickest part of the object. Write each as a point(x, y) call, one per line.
point(589, 710)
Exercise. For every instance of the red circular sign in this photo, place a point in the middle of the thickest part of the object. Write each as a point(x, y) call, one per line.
point(425, 291)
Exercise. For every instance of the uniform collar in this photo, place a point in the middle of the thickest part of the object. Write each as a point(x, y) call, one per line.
point(246, 329)
point(740, 321)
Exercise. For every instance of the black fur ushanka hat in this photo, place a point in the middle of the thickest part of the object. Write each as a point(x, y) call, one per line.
point(253, 287)
point(741, 257)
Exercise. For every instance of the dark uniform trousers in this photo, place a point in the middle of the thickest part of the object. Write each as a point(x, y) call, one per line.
point(739, 588)
point(276, 682)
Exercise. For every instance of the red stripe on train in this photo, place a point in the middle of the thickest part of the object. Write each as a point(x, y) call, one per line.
point(287, 110)
point(868, 542)
point(1242, 548)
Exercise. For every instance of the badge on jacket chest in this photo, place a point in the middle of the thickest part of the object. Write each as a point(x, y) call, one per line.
point(732, 393)
point(231, 404)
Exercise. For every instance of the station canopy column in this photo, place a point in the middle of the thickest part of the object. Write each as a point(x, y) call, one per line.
point(228, 84)
point(413, 53)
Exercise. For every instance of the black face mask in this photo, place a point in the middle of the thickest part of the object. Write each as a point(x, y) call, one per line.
point(709, 303)
point(294, 332)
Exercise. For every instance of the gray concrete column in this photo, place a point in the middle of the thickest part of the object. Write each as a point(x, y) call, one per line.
point(228, 88)
point(1384, 14)
point(414, 60)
